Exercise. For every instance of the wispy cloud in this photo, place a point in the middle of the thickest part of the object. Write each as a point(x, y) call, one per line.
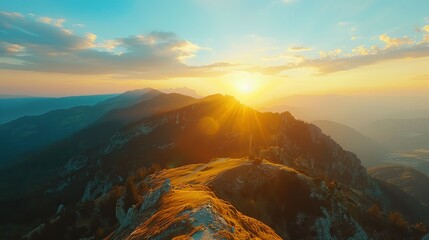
point(299, 49)
point(338, 60)
point(37, 36)
point(56, 22)
point(78, 25)
point(367, 57)
point(426, 33)
point(343, 24)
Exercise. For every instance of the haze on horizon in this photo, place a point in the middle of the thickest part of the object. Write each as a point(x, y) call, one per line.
point(255, 50)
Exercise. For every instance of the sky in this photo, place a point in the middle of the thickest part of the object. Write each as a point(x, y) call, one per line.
point(256, 50)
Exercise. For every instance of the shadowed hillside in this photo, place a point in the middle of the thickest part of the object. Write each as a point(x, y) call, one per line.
point(369, 151)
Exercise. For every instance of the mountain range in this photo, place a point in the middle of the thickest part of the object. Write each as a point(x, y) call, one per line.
point(32, 132)
point(168, 165)
point(16, 106)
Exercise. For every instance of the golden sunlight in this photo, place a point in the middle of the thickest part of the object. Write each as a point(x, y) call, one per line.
point(246, 83)
point(245, 87)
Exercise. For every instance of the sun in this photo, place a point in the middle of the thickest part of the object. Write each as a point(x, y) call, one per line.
point(245, 87)
point(245, 83)
point(248, 87)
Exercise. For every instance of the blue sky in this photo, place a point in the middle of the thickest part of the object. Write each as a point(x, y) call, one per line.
point(259, 35)
point(324, 24)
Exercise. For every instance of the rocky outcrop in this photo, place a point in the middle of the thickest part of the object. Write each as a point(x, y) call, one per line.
point(150, 200)
point(208, 221)
point(120, 212)
point(121, 138)
point(337, 224)
point(74, 164)
point(97, 187)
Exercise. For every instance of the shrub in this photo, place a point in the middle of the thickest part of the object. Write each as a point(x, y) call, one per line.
point(397, 219)
point(420, 228)
point(375, 211)
point(131, 192)
point(141, 174)
point(155, 168)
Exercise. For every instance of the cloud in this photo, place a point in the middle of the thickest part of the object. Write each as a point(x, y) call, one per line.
point(78, 25)
point(334, 61)
point(367, 56)
point(363, 51)
point(43, 44)
point(337, 60)
point(425, 29)
point(395, 42)
point(330, 54)
point(299, 49)
point(38, 36)
point(10, 49)
point(109, 45)
point(29, 42)
point(343, 23)
point(56, 22)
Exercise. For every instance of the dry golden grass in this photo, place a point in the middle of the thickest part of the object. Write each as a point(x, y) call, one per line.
point(176, 214)
point(171, 216)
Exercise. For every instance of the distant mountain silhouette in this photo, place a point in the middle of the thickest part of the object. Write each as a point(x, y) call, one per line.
point(356, 111)
point(9, 96)
point(400, 134)
point(408, 179)
point(183, 90)
point(32, 132)
point(369, 151)
point(13, 107)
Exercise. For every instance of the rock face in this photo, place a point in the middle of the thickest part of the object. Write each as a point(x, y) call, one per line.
point(96, 188)
point(150, 200)
point(120, 139)
point(326, 226)
point(120, 213)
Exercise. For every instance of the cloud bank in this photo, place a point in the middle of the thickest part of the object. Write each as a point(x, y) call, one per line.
point(338, 60)
point(43, 44)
